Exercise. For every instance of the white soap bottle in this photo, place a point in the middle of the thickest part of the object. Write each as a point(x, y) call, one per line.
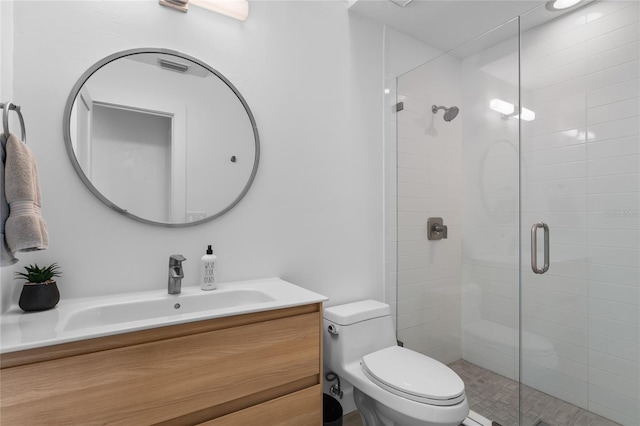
point(208, 270)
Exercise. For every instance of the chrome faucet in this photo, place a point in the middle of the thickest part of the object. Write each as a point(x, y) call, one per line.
point(176, 274)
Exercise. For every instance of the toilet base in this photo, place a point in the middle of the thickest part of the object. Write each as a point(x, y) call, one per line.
point(374, 413)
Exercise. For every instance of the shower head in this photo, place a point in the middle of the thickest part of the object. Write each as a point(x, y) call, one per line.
point(449, 113)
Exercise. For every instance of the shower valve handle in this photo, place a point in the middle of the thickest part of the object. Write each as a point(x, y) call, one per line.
point(440, 229)
point(436, 229)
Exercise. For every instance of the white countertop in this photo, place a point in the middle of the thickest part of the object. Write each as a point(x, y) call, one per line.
point(87, 318)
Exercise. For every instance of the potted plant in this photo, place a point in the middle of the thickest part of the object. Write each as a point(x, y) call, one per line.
point(40, 292)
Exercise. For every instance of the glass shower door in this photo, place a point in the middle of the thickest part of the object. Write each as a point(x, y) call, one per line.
point(543, 330)
point(457, 296)
point(580, 315)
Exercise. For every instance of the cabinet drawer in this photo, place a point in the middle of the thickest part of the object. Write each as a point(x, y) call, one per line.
point(302, 408)
point(157, 381)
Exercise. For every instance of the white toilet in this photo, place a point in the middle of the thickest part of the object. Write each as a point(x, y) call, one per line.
point(393, 386)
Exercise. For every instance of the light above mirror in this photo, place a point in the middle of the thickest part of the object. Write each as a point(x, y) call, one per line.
point(236, 9)
point(161, 137)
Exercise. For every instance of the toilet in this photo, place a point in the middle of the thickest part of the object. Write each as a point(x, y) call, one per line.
point(393, 386)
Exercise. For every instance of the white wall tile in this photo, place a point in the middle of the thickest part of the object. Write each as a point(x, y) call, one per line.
point(619, 183)
point(612, 57)
point(613, 75)
point(623, 312)
point(614, 292)
point(614, 238)
point(613, 93)
point(614, 365)
point(613, 111)
point(614, 165)
point(614, 274)
point(616, 37)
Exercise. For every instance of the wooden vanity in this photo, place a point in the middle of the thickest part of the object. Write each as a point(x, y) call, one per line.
point(259, 368)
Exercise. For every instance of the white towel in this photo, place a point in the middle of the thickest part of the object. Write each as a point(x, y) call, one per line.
point(25, 230)
point(6, 257)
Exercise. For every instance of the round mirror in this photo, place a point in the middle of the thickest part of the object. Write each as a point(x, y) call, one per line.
point(161, 137)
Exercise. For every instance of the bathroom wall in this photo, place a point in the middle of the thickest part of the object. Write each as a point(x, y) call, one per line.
point(6, 49)
point(310, 73)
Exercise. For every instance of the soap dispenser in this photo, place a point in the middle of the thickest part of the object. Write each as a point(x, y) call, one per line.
point(208, 270)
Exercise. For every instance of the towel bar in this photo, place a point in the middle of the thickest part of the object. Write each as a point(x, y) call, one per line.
point(5, 119)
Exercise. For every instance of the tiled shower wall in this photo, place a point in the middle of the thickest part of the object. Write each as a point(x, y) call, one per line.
point(401, 54)
point(428, 185)
point(580, 169)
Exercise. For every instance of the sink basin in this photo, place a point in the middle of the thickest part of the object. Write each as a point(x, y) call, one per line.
point(169, 305)
point(92, 317)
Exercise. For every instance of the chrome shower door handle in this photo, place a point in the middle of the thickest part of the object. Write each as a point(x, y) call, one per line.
point(534, 247)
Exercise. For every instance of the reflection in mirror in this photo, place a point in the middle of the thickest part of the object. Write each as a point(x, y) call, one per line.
point(161, 137)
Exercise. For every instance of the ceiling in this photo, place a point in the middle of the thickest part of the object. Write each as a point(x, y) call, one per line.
point(447, 24)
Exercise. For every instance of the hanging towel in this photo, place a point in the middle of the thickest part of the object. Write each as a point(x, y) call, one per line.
point(6, 257)
point(25, 230)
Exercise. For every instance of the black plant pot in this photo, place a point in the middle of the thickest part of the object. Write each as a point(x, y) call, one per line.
point(39, 296)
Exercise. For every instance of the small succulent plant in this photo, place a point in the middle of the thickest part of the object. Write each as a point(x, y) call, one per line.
point(37, 274)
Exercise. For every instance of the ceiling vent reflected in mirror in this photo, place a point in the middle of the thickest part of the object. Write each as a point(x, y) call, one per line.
point(401, 3)
point(173, 66)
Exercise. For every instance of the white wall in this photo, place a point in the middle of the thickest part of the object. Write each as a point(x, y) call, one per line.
point(311, 75)
point(6, 51)
point(6, 95)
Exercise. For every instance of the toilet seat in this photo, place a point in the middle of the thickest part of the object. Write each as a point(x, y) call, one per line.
point(414, 376)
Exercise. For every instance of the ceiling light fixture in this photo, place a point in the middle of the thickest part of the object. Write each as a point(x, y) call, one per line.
point(555, 5)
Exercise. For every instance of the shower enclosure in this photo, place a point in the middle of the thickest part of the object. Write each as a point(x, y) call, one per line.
point(533, 297)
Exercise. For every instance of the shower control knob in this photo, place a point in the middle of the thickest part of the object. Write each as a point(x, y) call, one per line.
point(440, 229)
point(436, 229)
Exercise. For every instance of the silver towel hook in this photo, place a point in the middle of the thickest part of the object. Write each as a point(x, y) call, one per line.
point(5, 120)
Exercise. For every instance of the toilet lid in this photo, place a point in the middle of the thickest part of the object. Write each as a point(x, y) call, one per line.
point(413, 376)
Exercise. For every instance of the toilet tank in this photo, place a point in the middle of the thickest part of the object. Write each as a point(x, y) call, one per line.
point(354, 330)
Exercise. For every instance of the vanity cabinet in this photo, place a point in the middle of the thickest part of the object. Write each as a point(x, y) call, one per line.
point(262, 368)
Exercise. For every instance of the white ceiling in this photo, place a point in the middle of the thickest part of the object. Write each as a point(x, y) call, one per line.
point(446, 24)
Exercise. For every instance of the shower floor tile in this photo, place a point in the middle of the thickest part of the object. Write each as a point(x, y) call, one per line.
point(496, 397)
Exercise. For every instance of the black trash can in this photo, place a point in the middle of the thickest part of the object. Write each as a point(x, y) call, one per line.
point(331, 411)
